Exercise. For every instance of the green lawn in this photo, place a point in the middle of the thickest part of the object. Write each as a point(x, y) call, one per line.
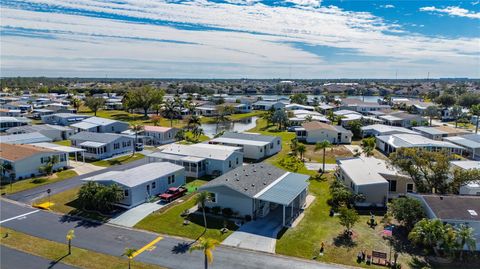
point(193, 184)
point(317, 227)
point(56, 252)
point(66, 202)
point(67, 143)
point(120, 160)
point(235, 117)
point(331, 154)
point(170, 222)
point(31, 183)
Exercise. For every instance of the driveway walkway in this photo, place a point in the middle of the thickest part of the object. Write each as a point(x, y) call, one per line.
point(260, 235)
point(84, 168)
point(132, 216)
point(354, 148)
point(318, 166)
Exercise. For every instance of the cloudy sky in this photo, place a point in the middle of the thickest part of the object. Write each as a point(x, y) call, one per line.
point(240, 38)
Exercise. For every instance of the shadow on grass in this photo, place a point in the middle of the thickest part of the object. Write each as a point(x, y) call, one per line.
point(55, 262)
point(128, 117)
point(344, 240)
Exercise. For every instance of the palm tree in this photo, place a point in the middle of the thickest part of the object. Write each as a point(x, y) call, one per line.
point(197, 132)
point(431, 112)
point(475, 111)
point(180, 135)
point(136, 128)
point(48, 167)
point(465, 236)
point(201, 199)
point(301, 149)
point(129, 253)
point(76, 103)
point(5, 167)
point(428, 233)
point(171, 111)
point(294, 145)
point(207, 245)
point(70, 236)
point(223, 112)
point(368, 145)
point(193, 121)
point(456, 114)
point(323, 145)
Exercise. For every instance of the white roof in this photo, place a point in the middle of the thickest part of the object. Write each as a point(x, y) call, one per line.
point(99, 121)
point(84, 125)
point(467, 165)
point(299, 105)
point(216, 152)
point(57, 147)
point(212, 146)
point(239, 141)
point(367, 170)
point(390, 118)
point(92, 144)
point(138, 175)
point(412, 140)
point(382, 128)
point(306, 112)
point(345, 112)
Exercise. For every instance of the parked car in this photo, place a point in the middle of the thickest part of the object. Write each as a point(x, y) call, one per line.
point(292, 128)
point(172, 194)
point(138, 147)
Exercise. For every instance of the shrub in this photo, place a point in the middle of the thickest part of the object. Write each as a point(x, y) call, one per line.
point(227, 212)
point(38, 180)
point(248, 218)
point(216, 210)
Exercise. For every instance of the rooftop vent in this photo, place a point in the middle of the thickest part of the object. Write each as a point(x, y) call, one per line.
point(264, 183)
point(226, 179)
point(246, 189)
point(472, 212)
point(253, 185)
point(254, 170)
point(237, 179)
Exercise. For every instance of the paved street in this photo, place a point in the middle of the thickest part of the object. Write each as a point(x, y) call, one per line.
point(14, 259)
point(28, 196)
point(169, 252)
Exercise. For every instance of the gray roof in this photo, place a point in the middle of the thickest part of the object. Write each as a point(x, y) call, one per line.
point(247, 136)
point(468, 141)
point(70, 115)
point(429, 130)
point(37, 128)
point(285, 190)
point(340, 129)
point(28, 138)
point(248, 179)
point(97, 137)
point(412, 140)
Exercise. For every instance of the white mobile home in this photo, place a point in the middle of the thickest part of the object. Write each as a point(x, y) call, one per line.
point(382, 129)
point(54, 132)
point(63, 119)
point(10, 122)
point(143, 182)
point(102, 145)
point(390, 143)
point(314, 131)
point(470, 142)
point(254, 146)
point(160, 135)
point(100, 125)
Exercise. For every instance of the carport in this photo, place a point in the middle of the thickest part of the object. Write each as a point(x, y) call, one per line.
point(65, 149)
point(289, 191)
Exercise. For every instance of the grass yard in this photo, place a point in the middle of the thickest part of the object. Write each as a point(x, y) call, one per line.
point(31, 183)
point(193, 184)
point(57, 252)
point(330, 154)
point(67, 143)
point(317, 227)
point(120, 160)
point(170, 222)
point(235, 117)
point(66, 202)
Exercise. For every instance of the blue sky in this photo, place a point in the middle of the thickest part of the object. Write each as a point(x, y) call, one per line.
point(240, 38)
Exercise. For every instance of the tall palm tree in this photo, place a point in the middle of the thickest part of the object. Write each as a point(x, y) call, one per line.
point(431, 112)
point(197, 132)
point(323, 146)
point(223, 114)
point(465, 237)
point(129, 253)
point(294, 145)
point(368, 145)
point(76, 103)
point(193, 121)
point(301, 149)
point(201, 199)
point(171, 111)
point(136, 128)
point(475, 111)
point(207, 245)
point(6, 167)
point(70, 235)
point(456, 113)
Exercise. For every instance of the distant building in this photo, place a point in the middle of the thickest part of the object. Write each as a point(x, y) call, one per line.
point(64, 119)
point(314, 131)
point(439, 132)
point(403, 119)
point(267, 105)
point(160, 135)
point(54, 132)
point(470, 142)
point(390, 143)
point(360, 106)
point(100, 125)
point(10, 122)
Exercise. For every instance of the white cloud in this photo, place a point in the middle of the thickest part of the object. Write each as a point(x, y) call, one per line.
point(387, 6)
point(247, 41)
point(453, 11)
point(307, 3)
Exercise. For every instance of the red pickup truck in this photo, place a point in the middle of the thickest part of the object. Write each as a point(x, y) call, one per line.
point(172, 194)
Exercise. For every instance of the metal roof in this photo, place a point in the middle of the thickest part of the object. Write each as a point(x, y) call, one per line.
point(91, 144)
point(469, 141)
point(239, 141)
point(57, 147)
point(28, 138)
point(97, 137)
point(284, 190)
point(84, 125)
point(429, 130)
point(412, 140)
point(214, 152)
point(250, 136)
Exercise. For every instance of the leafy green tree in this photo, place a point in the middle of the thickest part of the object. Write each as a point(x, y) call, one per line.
point(299, 98)
point(356, 127)
point(348, 218)
point(446, 100)
point(431, 112)
point(342, 196)
point(428, 169)
point(294, 146)
point(201, 199)
point(301, 149)
point(143, 98)
point(207, 245)
point(156, 120)
point(48, 167)
point(462, 177)
point(280, 117)
point(407, 210)
point(180, 135)
point(429, 233)
point(368, 145)
point(468, 99)
point(466, 238)
point(94, 103)
point(456, 113)
point(95, 196)
point(475, 111)
point(323, 146)
point(76, 103)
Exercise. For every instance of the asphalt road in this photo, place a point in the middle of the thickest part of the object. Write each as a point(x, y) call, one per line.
point(14, 259)
point(169, 252)
point(28, 196)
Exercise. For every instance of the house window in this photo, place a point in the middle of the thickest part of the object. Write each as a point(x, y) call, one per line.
point(154, 184)
point(392, 185)
point(409, 187)
point(278, 142)
point(171, 179)
point(230, 163)
point(237, 160)
point(271, 146)
point(125, 192)
point(213, 197)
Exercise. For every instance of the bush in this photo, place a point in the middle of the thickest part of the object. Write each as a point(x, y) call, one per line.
point(38, 180)
point(227, 212)
point(216, 210)
point(248, 218)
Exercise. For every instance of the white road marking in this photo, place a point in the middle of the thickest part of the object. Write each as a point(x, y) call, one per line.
point(20, 216)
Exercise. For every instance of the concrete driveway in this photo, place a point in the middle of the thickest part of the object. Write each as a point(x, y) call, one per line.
point(84, 168)
point(260, 235)
point(318, 166)
point(134, 215)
